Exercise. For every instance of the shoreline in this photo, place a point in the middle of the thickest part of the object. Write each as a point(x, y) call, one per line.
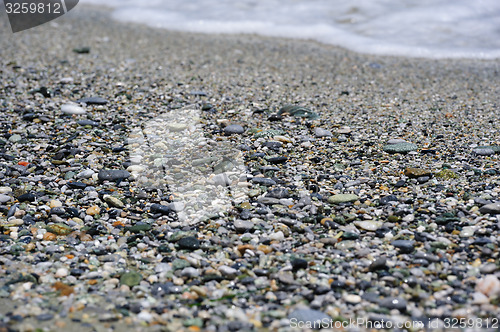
point(292, 247)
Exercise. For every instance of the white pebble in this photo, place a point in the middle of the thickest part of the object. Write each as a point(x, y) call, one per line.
point(72, 109)
point(489, 285)
point(61, 273)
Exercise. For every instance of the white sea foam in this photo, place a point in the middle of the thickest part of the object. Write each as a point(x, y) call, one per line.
point(417, 28)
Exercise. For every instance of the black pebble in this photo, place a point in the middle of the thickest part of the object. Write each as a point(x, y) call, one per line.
point(189, 243)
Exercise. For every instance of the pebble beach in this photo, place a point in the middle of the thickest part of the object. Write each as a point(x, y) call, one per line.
point(153, 180)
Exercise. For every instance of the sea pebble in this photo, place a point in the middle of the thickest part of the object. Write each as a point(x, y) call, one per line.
point(488, 285)
point(320, 132)
point(342, 198)
point(234, 129)
point(493, 208)
point(72, 109)
point(5, 198)
point(400, 148)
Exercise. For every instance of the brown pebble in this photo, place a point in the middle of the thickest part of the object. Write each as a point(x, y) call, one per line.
point(416, 172)
point(49, 236)
point(64, 289)
point(244, 247)
point(93, 210)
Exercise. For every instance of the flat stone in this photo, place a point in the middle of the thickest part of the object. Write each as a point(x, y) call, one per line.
point(158, 208)
point(59, 229)
point(93, 101)
point(5, 198)
point(263, 181)
point(320, 132)
point(368, 225)
point(176, 127)
point(396, 141)
point(131, 279)
point(414, 173)
point(342, 198)
point(400, 148)
point(493, 208)
point(86, 174)
point(405, 246)
point(379, 264)
point(140, 227)
point(113, 201)
point(72, 109)
point(189, 243)
point(28, 197)
point(233, 129)
point(228, 271)
point(113, 175)
point(243, 226)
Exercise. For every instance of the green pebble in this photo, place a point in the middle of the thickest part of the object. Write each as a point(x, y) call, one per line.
point(130, 279)
point(446, 174)
point(342, 198)
point(140, 228)
point(400, 148)
point(59, 229)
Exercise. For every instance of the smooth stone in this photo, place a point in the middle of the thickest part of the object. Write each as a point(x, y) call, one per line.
point(368, 225)
point(405, 246)
point(396, 141)
point(59, 229)
point(299, 263)
point(393, 303)
point(352, 298)
point(379, 264)
point(15, 138)
point(387, 199)
point(277, 160)
point(140, 227)
point(414, 173)
point(28, 197)
point(467, 231)
point(243, 226)
point(493, 208)
point(268, 200)
point(400, 148)
point(72, 109)
point(263, 181)
point(113, 201)
point(131, 279)
point(113, 175)
point(308, 316)
point(88, 123)
point(86, 174)
point(484, 151)
point(176, 127)
point(233, 129)
point(93, 101)
point(190, 272)
point(158, 208)
point(5, 190)
point(189, 243)
point(228, 271)
point(342, 198)
point(320, 132)
point(176, 206)
point(5, 198)
point(488, 285)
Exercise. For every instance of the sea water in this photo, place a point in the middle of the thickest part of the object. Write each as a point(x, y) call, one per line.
point(416, 28)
